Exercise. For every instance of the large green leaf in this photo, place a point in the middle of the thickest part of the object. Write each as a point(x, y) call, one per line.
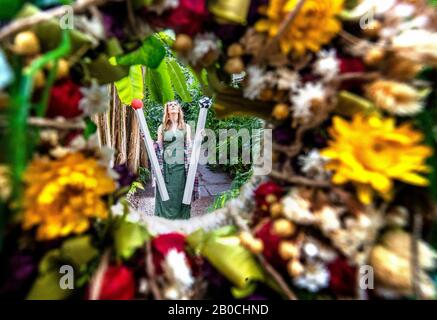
point(178, 80)
point(150, 54)
point(131, 87)
point(46, 287)
point(223, 250)
point(159, 84)
point(153, 90)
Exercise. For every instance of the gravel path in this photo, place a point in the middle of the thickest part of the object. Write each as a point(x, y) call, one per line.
point(211, 183)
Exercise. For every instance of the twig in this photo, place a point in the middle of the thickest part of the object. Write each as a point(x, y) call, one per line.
point(43, 16)
point(131, 16)
point(266, 265)
point(300, 180)
point(365, 76)
point(415, 263)
point(97, 279)
point(151, 273)
point(50, 123)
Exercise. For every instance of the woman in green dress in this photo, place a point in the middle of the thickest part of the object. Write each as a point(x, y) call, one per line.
point(174, 138)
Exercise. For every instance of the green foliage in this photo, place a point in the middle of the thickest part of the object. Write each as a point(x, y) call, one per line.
point(9, 8)
point(178, 80)
point(144, 175)
point(159, 84)
point(128, 238)
point(90, 128)
point(131, 87)
point(150, 54)
point(240, 178)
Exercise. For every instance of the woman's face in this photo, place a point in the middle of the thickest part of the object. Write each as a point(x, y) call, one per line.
point(173, 107)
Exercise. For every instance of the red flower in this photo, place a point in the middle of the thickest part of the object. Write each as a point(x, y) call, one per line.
point(163, 244)
point(271, 244)
point(118, 284)
point(265, 189)
point(187, 18)
point(64, 100)
point(343, 277)
point(351, 65)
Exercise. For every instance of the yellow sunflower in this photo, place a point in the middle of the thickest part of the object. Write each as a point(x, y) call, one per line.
point(314, 26)
point(63, 194)
point(371, 152)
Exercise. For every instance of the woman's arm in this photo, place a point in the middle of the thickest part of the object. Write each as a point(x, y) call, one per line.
point(189, 140)
point(160, 138)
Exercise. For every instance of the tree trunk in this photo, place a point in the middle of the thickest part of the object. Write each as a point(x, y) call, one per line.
point(133, 149)
point(119, 127)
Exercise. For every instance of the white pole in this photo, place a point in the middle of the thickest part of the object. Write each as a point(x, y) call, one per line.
point(205, 103)
point(137, 105)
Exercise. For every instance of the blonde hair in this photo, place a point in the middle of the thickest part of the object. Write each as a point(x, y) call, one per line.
point(166, 119)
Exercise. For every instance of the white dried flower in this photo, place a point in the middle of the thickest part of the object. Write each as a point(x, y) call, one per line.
point(328, 219)
point(287, 79)
point(160, 6)
point(296, 208)
point(370, 7)
point(420, 45)
point(202, 44)
point(91, 26)
point(177, 270)
point(327, 65)
point(314, 278)
point(305, 97)
point(256, 82)
point(119, 209)
point(312, 164)
point(95, 99)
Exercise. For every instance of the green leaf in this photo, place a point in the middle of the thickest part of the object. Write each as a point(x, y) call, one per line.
point(128, 237)
point(104, 71)
point(150, 54)
point(9, 8)
point(79, 250)
point(178, 80)
point(160, 85)
point(131, 87)
point(90, 128)
point(223, 250)
point(46, 287)
point(153, 90)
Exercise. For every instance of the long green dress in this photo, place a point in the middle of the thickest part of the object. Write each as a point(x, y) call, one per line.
point(174, 176)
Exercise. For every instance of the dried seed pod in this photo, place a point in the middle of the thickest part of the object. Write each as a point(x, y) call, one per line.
point(295, 268)
point(283, 228)
point(39, 79)
point(235, 50)
point(26, 43)
point(183, 43)
point(281, 111)
point(288, 250)
point(373, 29)
point(374, 56)
point(251, 243)
point(271, 198)
point(234, 66)
point(276, 210)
